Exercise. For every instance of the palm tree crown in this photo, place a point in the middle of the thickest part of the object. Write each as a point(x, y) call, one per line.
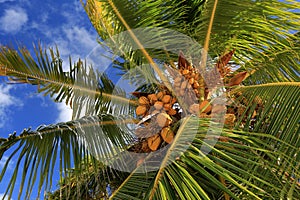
point(214, 113)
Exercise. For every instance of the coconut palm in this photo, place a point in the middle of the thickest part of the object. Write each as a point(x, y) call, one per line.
point(254, 156)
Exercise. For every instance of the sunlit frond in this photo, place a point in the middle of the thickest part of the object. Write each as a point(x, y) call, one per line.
point(87, 91)
point(73, 144)
point(236, 165)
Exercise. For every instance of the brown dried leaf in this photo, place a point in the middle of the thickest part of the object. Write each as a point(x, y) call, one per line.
point(182, 62)
point(139, 94)
point(223, 61)
point(2, 71)
point(229, 120)
point(237, 79)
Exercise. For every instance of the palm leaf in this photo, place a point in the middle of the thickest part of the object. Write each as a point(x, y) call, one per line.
point(276, 116)
point(195, 175)
point(234, 25)
point(70, 143)
point(79, 87)
point(258, 32)
point(91, 183)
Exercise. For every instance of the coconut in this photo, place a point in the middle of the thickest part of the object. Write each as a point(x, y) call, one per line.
point(167, 135)
point(141, 110)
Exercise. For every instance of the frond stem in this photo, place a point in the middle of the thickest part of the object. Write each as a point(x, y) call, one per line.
point(207, 39)
point(122, 99)
point(295, 84)
point(146, 54)
point(113, 122)
point(165, 160)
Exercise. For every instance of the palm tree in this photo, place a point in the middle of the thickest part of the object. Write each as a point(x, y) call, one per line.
point(182, 151)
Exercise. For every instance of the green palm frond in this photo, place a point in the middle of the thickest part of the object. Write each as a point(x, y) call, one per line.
point(140, 14)
point(79, 87)
point(70, 144)
point(280, 65)
point(277, 115)
point(241, 159)
point(110, 21)
point(259, 31)
point(91, 183)
point(270, 99)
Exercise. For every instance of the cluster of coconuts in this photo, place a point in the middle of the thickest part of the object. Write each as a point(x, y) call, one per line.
point(158, 130)
point(153, 103)
point(188, 81)
point(160, 106)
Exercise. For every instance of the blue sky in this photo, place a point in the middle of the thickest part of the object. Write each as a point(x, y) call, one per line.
point(62, 23)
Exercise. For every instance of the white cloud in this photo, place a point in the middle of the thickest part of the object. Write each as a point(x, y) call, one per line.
point(73, 41)
point(70, 36)
point(13, 20)
point(81, 37)
point(2, 195)
point(3, 161)
point(64, 113)
point(7, 100)
point(69, 10)
point(44, 17)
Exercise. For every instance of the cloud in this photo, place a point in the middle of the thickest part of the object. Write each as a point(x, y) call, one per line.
point(6, 101)
point(71, 36)
point(2, 195)
point(3, 161)
point(73, 41)
point(69, 10)
point(6, 98)
point(80, 36)
point(13, 20)
point(64, 113)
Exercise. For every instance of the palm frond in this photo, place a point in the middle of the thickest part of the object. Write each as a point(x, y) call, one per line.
point(258, 31)
point(73, 144)
point(276, 108)
point(87, 91)
point(90, 183)
point(187, 171)
point(105, 16)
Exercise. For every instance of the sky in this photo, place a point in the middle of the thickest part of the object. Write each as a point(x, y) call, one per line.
point(53, 23)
